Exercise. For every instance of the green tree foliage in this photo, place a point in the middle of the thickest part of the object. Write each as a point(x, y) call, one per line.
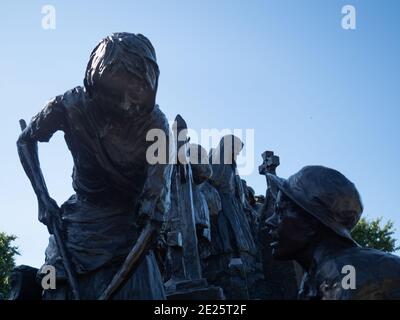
point(7, 262)
point(371, 234)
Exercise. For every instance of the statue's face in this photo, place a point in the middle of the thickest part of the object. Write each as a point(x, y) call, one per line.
point(127, 93)
point(236, 151)
point(290, 229)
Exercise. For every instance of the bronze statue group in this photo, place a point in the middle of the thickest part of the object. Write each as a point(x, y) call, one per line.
point(192, 229)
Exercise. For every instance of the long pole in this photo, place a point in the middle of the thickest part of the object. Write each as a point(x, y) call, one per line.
point(61, 247)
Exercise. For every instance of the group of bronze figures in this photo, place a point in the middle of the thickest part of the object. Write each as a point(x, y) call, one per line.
point(189, 229)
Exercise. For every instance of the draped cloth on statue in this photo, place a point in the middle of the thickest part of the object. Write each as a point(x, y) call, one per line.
point(234, 232)
point(95, 235)
point(98, 239)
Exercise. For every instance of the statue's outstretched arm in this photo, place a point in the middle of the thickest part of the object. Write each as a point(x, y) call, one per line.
point(41, 128)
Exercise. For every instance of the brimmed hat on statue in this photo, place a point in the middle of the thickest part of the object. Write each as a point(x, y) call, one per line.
point(326, 194)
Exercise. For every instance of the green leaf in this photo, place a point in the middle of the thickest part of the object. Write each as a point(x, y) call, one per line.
point(7, 262)
point(371, 234)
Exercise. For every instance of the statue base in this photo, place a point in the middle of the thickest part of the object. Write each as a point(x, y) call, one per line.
point(193, 290)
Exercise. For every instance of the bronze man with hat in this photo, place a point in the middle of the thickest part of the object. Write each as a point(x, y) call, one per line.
point(315, 211)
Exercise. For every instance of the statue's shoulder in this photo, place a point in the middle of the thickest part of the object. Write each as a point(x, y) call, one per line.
point(75, 97)
point(376, 274)
point(367, 262)
point(366, 259)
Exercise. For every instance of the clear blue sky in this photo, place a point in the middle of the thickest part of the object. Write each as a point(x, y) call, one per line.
point(313, 92)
